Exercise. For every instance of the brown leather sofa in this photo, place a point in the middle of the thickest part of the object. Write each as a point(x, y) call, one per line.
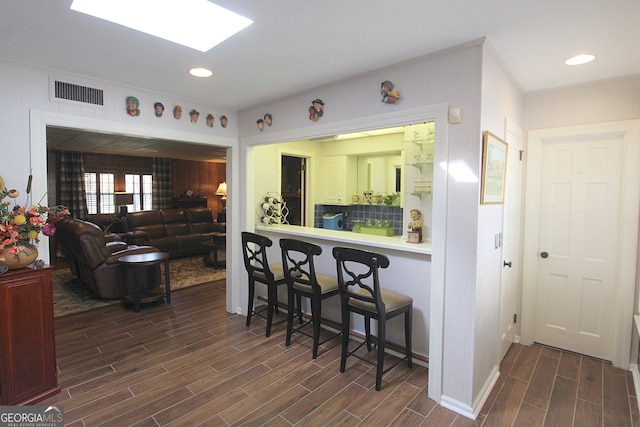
point(179, 232)
point(95, 259)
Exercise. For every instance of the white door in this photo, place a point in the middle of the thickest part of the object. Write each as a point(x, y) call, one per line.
point(579, 259)
point(511, 240)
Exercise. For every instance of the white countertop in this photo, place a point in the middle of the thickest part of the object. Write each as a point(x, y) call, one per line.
point(394, 243)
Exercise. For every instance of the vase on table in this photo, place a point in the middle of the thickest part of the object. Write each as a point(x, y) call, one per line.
point(27, 254)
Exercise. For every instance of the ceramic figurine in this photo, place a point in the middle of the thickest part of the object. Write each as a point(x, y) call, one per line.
point(415, 225)
point(132, 106)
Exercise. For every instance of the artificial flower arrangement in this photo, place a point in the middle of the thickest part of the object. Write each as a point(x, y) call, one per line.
point(20, 225)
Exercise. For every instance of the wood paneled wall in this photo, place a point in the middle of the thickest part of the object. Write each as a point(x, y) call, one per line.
point(201, 177)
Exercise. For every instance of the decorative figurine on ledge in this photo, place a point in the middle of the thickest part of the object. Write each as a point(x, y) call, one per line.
point(316, 110)
point(415, 227)
point(195, 115)
point(177, 112)
point(390, 94)
point(158, 108)
point(132, 106)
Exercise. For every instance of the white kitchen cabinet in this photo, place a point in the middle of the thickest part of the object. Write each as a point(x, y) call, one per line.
point(338, 180)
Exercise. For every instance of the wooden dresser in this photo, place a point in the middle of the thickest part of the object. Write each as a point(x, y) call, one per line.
point(28, 371)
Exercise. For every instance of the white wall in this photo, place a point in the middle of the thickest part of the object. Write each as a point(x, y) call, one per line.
point(501, 100)
point(603, 101)
point(27, 109)
point(453, 78)
point(597, 102)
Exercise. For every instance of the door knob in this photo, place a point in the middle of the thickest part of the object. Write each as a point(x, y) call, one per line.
point(544, 254)
point(506, 264)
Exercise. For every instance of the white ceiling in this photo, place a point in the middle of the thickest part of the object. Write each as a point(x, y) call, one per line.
point(295, 45)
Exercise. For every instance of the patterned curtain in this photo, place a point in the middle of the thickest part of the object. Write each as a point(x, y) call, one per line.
point(71, 184)
point(162, 184)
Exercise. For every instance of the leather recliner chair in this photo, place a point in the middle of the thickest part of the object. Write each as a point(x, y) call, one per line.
point(95, 261)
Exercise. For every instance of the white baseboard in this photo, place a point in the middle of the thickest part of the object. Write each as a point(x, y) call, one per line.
point(472, 411)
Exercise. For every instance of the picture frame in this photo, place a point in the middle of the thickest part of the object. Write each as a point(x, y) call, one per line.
point(494, 169)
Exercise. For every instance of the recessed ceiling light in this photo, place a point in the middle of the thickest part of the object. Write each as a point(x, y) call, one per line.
point(198, 24)
point(580, 59)
point(200, 72)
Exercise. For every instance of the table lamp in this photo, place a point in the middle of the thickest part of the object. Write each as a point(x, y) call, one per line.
point(122, 200)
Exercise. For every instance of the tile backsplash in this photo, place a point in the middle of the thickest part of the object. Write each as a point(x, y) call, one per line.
point(362, 213)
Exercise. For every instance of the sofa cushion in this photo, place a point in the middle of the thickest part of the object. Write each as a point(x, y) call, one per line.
point(142, 218)
point(200, 220)
point(153, 231)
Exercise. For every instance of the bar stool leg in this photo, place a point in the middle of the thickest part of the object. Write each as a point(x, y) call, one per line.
point(252, 291)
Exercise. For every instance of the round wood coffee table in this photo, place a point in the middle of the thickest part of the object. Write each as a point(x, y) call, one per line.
point(136, 263)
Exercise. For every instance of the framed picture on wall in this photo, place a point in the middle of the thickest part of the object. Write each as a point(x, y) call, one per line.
point(494, 169)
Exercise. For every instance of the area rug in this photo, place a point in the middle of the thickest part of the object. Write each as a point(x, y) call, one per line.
point(70, 295)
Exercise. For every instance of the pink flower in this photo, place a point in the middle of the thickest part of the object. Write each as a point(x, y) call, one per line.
point(49, 229)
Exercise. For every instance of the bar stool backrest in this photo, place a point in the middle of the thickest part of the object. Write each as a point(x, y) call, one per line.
point(358, 277)
point(254, 248)
point(297, 262)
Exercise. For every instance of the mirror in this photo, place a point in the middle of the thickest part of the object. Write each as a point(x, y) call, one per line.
point(380, 173)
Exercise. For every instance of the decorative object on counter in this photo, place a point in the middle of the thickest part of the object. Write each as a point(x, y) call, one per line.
point(177, 112)
point(367, 196)
point(195, 115)
point(355, 198)
point(273, 209)
point(132, 106)
point(390, 94)
point(158, 108)
point(333, 221)
point(20, 227)
point(414, 235)
point(316, 110)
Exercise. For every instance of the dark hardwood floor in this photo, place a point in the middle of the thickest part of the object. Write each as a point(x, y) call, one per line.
point(191, 363)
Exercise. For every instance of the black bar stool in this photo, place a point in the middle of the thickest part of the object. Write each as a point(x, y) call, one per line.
point(254, 250)
point(300, 272)
point(360, 292)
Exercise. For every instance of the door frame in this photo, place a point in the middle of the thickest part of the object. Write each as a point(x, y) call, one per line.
point(625, 304)
point(514, 136)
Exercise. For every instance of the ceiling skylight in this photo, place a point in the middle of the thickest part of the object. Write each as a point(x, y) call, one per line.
point(198, 24)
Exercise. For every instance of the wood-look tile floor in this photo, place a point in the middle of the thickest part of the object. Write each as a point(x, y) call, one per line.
point(192, 364)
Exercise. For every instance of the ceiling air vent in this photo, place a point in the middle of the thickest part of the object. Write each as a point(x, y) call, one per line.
point(72, 92)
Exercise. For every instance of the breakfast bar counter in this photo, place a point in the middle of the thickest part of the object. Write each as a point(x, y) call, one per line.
point(409, 272)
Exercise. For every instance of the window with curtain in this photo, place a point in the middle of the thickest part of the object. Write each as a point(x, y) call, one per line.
point(100, 188)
